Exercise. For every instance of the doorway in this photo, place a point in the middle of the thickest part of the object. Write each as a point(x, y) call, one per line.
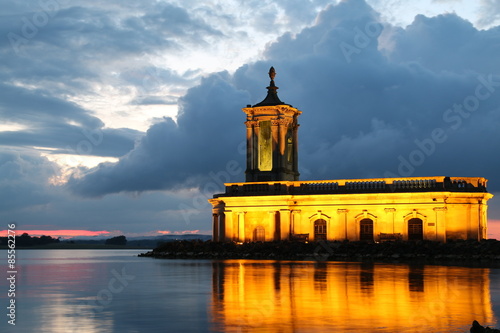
point(319, 230)
point(415, 229)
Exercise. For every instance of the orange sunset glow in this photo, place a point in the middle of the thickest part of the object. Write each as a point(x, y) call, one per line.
point(89, 233)
point(57, 233)
point(494, 229)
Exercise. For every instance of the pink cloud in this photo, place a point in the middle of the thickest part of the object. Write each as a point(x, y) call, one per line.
point(56, 233)
point(190, 231)
point(494, 229)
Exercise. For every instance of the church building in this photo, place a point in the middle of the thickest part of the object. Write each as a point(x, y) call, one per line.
point(274, 205)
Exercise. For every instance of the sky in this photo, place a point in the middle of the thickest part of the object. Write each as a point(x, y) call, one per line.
point(124, 117)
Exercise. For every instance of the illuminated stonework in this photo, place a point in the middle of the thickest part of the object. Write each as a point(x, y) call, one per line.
point(436, 208)
point(274, 205)
point(272, 127)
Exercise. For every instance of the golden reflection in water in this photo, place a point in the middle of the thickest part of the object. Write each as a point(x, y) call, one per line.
point(264, 296)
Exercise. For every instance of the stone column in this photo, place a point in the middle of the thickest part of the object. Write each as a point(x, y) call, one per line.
point(277, 226)
point(255, 149)
point(275, 145)
point(283, 128)
point(295, 218)
point(241, 226)
point(440, 226)
point(391, 220)
point(272, 226)
point(285, 222)
point(250, 145)
point(215, 227)
point(343, 221)
point(478, 222)
point(222, 227)
point(295, 146)
point(483, 223)
point(229, 230)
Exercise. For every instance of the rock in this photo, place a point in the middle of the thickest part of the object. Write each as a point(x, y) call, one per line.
point(477, 328)
point(467, 252)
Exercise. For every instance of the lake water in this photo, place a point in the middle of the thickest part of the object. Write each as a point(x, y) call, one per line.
point(116, 291)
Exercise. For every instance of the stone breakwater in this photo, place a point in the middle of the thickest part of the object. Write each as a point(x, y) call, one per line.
point(481, 253)
point(477, 328)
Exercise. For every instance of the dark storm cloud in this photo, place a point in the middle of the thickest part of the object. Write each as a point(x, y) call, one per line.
point(23, 180)
point(35, 107)
point(447, 43)
point(53, 50)
point(96, 31)
point(70, 47)
point(211, 107)
point(28, 198)
point(367, 106)
point(51, 122)
point(68, 139)
point(171, 20)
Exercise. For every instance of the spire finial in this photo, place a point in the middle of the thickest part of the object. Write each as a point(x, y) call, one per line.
point(272, 73)
point(272, 94)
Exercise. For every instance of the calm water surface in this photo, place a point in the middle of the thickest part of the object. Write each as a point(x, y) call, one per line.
point(115, 291)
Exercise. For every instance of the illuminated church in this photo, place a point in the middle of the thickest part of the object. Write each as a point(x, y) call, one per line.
point(274, 205)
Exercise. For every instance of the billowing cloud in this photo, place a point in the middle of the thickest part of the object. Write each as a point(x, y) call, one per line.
point(181, 154)
point(377, 100)
point(447, 43)
point(367, 108)
point(24, 180)
point(42, 120)
point(29, 199)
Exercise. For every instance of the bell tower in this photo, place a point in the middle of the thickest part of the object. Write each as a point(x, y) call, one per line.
point(272, 145)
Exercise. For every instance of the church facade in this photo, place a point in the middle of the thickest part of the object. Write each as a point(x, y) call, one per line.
point(273, 204)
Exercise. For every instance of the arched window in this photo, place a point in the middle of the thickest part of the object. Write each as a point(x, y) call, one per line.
point(259, 234)
point(415, 229)
point(319, 230)
point(366, 230)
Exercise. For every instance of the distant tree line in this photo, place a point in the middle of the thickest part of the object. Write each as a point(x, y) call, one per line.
point(118, 240)
point(26, 240)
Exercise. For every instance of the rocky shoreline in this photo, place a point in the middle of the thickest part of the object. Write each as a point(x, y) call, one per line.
point(485, 253)
point(477, 328)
